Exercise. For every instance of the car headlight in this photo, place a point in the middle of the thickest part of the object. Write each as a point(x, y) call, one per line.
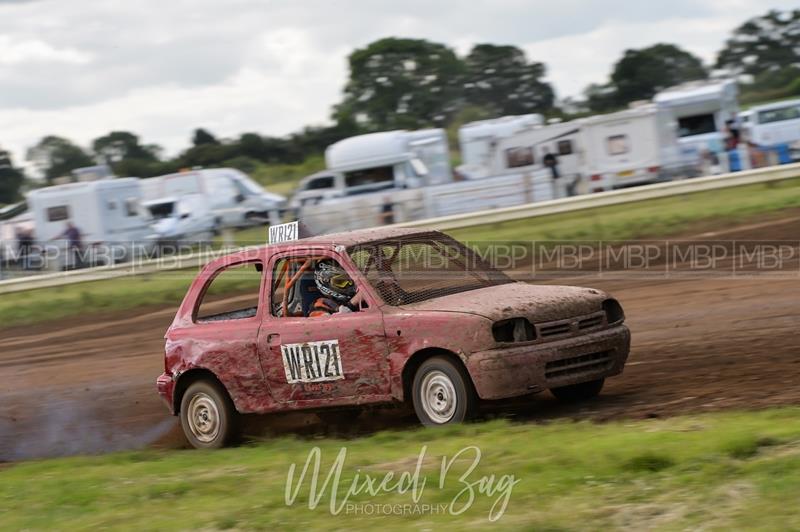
point(514, 330)
point(613, 310)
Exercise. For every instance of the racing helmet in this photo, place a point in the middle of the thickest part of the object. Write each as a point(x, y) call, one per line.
point(333, 281)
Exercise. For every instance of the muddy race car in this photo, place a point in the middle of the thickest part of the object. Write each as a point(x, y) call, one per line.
point(376, 317)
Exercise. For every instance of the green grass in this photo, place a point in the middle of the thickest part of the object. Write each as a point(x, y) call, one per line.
point(715, 471)
point(283, 178)
point(647, 219)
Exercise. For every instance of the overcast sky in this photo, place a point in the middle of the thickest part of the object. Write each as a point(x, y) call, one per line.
point(160, 68)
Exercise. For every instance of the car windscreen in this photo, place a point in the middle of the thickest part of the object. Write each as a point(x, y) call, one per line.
point(419, 267)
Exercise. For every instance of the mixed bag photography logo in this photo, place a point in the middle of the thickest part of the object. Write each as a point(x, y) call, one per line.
point(450, 485)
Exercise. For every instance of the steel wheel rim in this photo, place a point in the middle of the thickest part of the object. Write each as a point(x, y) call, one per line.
point(438, 397)
point(203, 417)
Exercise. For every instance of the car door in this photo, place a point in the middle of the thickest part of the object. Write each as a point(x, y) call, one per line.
point(336, 359)
point(223, 334)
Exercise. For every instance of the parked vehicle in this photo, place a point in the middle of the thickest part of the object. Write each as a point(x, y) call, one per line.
point(231, 196)
point(477, 140)
point(429, 324)
point(187, 218)
point(631, 147)
point(774, 124)
point(701, 110)
point(374, 180)
point(376, 162)
point(107, 212)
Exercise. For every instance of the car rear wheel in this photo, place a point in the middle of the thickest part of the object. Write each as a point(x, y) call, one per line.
point(442, 393)
point(578, 392)
point(208, 417)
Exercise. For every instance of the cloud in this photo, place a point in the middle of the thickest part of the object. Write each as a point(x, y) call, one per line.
point(162, 68)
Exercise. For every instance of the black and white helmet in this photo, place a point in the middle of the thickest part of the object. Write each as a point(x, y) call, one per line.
point(333, 281)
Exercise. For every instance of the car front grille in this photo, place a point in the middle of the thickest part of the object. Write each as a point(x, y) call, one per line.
point(579, 364)
point(570, 326)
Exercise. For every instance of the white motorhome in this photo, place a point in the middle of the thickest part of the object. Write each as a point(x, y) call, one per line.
point(377, 179)
point(525, 151)
point(631, 147)
point(701, 109)
point(378, 162)
point(107, 212)
point(776, 123)
point(477, 140)
point(231, 196)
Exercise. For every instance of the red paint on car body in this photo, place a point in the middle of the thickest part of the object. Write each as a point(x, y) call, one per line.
point(379, 344)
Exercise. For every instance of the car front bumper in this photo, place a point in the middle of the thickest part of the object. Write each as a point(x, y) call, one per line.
point(506, 372)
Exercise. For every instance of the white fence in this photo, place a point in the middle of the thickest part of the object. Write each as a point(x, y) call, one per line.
point(576, 203)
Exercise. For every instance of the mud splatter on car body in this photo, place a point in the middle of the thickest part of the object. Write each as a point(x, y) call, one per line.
point(512, 338)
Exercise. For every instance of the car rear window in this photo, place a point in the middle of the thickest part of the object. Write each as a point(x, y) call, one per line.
point(424, 266)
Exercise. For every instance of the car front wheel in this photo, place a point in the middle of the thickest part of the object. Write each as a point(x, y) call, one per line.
point(442, 393)
point(578, 392)
point(208, 417)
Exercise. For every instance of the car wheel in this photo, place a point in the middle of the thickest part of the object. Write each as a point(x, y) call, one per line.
point(578, 392)
point(208, 417)
point(442, 393)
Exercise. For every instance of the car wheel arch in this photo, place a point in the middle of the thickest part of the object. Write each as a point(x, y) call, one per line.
point(189, 377)
point(415, 361)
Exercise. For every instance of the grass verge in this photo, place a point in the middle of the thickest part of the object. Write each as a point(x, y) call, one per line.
point(715, 471)
point(646, 219)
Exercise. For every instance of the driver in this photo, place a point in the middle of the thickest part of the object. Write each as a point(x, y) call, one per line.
point(337, 288)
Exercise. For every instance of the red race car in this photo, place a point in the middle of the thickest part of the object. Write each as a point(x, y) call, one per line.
point(376, 317)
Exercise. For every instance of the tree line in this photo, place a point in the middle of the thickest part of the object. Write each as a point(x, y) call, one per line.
point(413, 83)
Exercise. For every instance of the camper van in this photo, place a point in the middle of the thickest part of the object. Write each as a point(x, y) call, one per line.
point(774, 124)
point(378, 163)
point(631, 147)
point(478, 140)
point(233, 199)
point(701, 109)
point(107, 212)
point(397, 176)
point(525, 151)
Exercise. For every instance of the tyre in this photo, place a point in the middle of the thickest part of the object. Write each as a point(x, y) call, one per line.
point(578, 392)
point(208, 417)
point(442, 393)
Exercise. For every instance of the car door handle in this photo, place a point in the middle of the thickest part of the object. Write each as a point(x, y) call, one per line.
point(273, 339)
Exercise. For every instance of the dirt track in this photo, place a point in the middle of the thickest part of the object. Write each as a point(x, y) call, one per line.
point(699, 344)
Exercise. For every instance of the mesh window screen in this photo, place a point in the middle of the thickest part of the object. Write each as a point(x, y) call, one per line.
point(408, 270)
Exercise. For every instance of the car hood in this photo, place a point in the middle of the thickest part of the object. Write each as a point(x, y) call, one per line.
point(538, 303)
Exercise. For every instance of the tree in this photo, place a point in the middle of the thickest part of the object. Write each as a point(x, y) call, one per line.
point(118, 146)
point(763, 44)
point(501, 79)
point(56, 156)
point(401, 83)
point(640, 74)
point(201, 136)
point(10, 179)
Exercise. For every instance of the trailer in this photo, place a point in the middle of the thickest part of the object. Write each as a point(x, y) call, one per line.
point(775, 125)
point(107, 213)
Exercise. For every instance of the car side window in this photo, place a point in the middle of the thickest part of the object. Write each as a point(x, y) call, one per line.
point(232, 294)
point(295, 293)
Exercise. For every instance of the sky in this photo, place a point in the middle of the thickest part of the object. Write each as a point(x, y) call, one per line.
point(161, 68)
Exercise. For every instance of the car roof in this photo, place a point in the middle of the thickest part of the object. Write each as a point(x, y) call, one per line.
point(346, 239)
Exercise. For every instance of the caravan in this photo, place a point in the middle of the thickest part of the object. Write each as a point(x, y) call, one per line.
point(107, 213)
point(631, 147)
point(701, 109)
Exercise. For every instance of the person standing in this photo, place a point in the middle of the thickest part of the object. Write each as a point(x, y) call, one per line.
point(551, 161)
point(74, 240)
